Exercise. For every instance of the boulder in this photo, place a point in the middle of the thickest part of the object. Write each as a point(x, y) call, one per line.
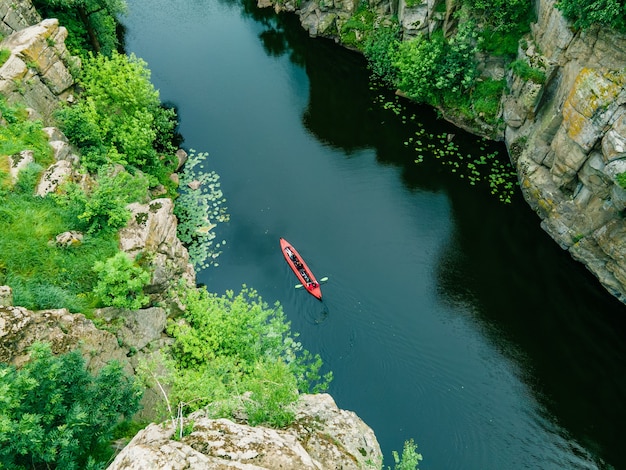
point(18, 162)
point(56, 174)
point(37, 72)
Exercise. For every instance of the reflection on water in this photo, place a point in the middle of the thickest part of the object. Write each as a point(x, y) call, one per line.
point(449, 317)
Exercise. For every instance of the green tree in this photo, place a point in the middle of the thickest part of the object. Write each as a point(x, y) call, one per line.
point(55, 415)
point(119, 118)
point(92, 23)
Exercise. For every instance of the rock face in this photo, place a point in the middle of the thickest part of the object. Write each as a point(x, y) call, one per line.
point(65, 331)
point(16, 17)
point(152, 232)
point(322, 437)
point(37, 72)
point(567, 138)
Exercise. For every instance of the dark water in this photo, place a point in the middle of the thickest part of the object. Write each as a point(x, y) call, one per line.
point(449, 317)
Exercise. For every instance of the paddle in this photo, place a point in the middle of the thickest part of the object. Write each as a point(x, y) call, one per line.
point(324, 279)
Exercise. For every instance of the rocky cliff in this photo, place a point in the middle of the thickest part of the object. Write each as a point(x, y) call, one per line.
point(566, 137)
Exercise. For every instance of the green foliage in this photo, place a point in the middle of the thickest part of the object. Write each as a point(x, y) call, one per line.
point(119, 118)
point(524, 70)
point(233, 344)
point(380, 49)
point(42, 274)
point(4, 56)
point(121, 282)
point(486, 98)
point(20, 133)
point(198, 210)
point(585, 13)
point(430, 69)
point(104, 208)
point(27, 178)
point(54, 414)
point(358, 27)
point(501, 15)
point(410, 458)
point(91, 23)
point(419, 64)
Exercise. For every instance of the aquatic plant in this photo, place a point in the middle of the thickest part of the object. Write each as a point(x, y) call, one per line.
point(482, 166)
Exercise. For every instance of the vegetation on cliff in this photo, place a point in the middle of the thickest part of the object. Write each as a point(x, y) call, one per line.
point(55, 414)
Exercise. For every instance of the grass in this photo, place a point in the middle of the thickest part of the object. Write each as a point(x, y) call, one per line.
point(41, 274)
point(4, 56)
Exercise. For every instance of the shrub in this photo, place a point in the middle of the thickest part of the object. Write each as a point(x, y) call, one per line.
point(119, 118)
point(522, 69)
point(501, 15)
point(231, 344)
point(380, 49)
point(585, 13)
point(54, 414)
point(430, 69)
point(105, 207)
point(121, 282)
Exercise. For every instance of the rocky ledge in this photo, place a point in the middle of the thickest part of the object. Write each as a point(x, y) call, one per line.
point(322, 437)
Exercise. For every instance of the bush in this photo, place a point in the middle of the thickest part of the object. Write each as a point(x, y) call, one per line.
point(54, 414)
point(121, 282)
point(428, 70)
point(585, 13)
point(522, 69)
point(119, 118)
point(234, 344)
point(380, 49)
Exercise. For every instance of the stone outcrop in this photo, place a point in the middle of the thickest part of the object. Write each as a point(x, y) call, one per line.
point(16, 17)
point(152, 232)
point(322, 437)
point(65, 331)
point(567, 138)
point(37, 73)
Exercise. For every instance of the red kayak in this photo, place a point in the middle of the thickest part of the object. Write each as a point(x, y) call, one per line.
point(301, 270)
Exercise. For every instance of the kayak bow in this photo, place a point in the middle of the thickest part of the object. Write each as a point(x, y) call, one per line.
point(300, 269)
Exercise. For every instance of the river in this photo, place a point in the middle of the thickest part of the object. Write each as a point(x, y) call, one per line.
point(449, 317)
